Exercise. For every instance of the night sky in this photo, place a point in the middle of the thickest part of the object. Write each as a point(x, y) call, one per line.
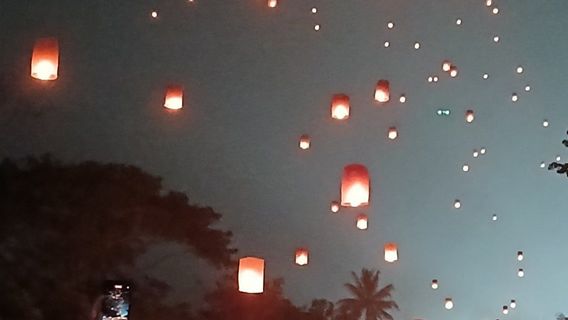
point(257, 78)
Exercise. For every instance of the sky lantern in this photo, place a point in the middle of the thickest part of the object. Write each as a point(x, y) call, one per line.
point(382, 91)
point(362, 222)
point(520, 256)
point(355, 185)
point(457, 204)
point(340, 107)
point(446, 65)
point(513, 304)
point(45, 59)
point(505, 310)
point(453, 71)
point(469, 116)
point(305, 142)
point(272, 3)
point(302, 256)
point(393, 133)
point(391, 252)
point(521, 272)
point(434, 284)
point(174, 98)
point(251, 275)
point(334, 206)
point(448, 304)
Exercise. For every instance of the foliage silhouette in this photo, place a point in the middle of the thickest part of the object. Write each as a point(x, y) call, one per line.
point(561, 168)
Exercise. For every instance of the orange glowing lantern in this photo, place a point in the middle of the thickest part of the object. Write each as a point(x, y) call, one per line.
point(382, 91)
point(45, 59)
point(272, 3)
point(251, 275)
point(469, 116)
point(393, 133)
point(174, 98)
point(305, 142)
point(453, 71)
point(340, 107)
point(362, 222)
point(334, 206)
point(391, 252)
point(302, 256)
point(355, 185)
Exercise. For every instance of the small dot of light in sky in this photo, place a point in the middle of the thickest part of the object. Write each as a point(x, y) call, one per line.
point(465, 168)
point(402, 99)
point(483, 150)
point(458, 21)
point(514, 97)
point(496, 39)
point(457, 204)
point(557, 158)
point(520, 69)
point(545, 123)
point(314, 10)
point(527, 88)
point(390, 25)
point(485, 76)
point(488, 3)
point(520, 273)
point(475, 154)
point(430, 79)
point(495, 10)
point(417, 45)
point(435, 78)
point(513, 304)
point(494, 217)
point(542, 164)
point(386, 44)
point(317, 27)
point(154, 14)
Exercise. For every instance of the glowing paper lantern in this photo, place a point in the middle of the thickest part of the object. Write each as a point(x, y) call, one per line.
point(520, 256)
point(465, 168)
point(340, 107)
point(513, 304)
point(391, 252)
point(514, 97)
point(251, 275)
point(393, 133)
point(334, 206)
point(301, 256)
point(457, 204)
point(521, 272)
point(174, 98)
point(469, 116)
point(545, 123)
point(494, 217)
point(453, 71)
point(45, 59)
point(305, 142)
point(382, 91)
point(434, 284)
point(362, 222)
point(505, 310)
point(446, 65)
point(402, 98)
point(272, 3)
point(448, 304)
point(355, 185)
point(458, 21)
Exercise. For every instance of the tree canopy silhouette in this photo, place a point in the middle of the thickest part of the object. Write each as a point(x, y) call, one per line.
point(561, 168)
point(68, 227)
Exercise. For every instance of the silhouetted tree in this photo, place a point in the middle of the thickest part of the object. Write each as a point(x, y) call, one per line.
point(321, 309)
point(561, 168)
point(68, 227)
point(367, 299)
point(561, 316)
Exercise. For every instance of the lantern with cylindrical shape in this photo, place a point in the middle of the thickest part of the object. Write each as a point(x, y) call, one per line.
point(272, 3)
point(340, 107)
point(251, 275)
point(393, 133)
point(305, 142)
point(446, 65)
point(334, 206)
point(391, 252)
point(355, 185)
point(45, 59)
point(448, 303)
point(382, 91)
point(469, 116)
point(302, 256)
point(174, 98)
point(434, 284)
point(362, 222)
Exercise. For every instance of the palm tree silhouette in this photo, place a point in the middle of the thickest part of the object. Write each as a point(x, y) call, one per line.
point(368, 299)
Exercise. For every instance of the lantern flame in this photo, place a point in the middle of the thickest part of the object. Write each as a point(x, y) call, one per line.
point(45, 59)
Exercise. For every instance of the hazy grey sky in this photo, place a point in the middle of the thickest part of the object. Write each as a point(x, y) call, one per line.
point(256, 79)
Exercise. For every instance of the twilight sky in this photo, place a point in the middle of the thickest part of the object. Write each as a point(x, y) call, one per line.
point(256, 79)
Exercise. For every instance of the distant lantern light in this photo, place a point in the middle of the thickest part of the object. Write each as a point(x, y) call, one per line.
point(402, 98)
point(382, 91)
point(458, 21)
point(483, 151)
point(494, 217)
point(434, 284)
point(272, 3)
point(305, 142)
point(362, 222)
point(469, 116)
point(417, 45)
point(545, 123)
point(527, 88)
point(435, 79)
point(495, 10)
point(520, 273)
point(557, 158)
point(443, 112)
point(390, 25)
point(317, 27)
point(448, 304)
point(446, 65)
point(174, 98)
point(543, 164)
point(485, 76)
point(393, 133)
point(334, 207)
point(475, 153)
point(45, 59)
point(301, 256)
point(505, 310)
point(314, 10)
point(355, 185)
point(513, 304)
point(430, 79)
point(514, 97)
point(465, 168)
point(391, 252)
point(520, 256)
point(154, 14)
point(386, 44)
point(520, 69)
point(496, 39)
point(488, 3)
point(340, 107)
point(251, 275)
point(453, 71)
point(457, 204)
